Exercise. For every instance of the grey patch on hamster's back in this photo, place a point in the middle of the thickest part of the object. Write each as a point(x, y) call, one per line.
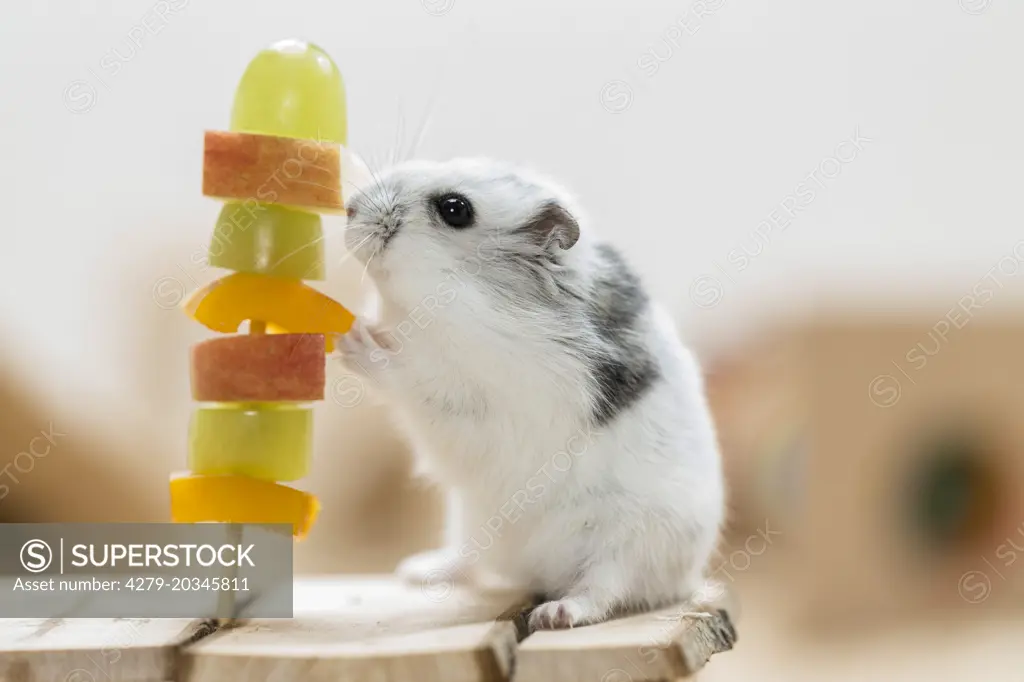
point(627, 370)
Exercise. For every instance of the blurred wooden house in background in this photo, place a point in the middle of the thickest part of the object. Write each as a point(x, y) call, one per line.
point(889, 454)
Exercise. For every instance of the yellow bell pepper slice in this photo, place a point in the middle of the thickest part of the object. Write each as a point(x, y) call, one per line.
point(286, 304)
point(269, 441)
point(239, 499)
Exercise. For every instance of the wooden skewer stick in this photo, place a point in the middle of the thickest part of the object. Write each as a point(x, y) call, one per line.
point(226, 602)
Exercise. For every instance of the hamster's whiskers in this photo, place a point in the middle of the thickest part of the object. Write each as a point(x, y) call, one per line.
point(366, 267)
point(393, 155)
point(361, 242)
point(367, 195)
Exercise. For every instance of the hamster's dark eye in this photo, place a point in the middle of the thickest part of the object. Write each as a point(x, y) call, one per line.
point(455, 210)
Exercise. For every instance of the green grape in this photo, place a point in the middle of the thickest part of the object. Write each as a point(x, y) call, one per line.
point(291, 89)
point(269, 441)
point(268, 239)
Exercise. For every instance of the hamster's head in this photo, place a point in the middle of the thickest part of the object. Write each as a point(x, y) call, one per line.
point(491, 226)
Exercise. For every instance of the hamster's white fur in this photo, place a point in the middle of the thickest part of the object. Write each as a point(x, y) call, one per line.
point(541, 388)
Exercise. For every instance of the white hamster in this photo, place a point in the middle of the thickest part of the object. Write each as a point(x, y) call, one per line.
point(542, 389)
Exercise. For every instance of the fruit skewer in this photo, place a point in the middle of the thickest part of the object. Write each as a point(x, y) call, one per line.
point(277, 170)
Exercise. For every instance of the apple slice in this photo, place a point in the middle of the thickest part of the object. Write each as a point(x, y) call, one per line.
point(259, 367)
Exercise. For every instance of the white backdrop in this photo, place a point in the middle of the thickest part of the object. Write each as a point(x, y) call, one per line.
point(679, 159)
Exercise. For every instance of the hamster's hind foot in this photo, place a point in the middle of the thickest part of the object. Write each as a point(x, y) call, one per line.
point(437, 571)
point(564, 613)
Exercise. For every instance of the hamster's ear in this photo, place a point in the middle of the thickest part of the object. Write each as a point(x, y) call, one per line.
point(554, 224)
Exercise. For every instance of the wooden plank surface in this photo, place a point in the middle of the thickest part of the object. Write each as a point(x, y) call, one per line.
point(662, 645)
point(369, 628)
point(93, 649)
point(352, 628)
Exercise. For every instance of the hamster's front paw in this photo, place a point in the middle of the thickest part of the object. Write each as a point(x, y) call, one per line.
point(436, 571)
point(360, 350)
